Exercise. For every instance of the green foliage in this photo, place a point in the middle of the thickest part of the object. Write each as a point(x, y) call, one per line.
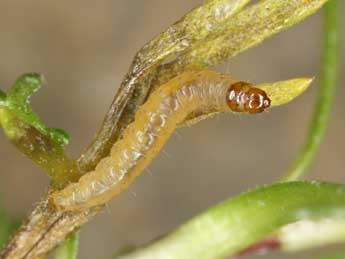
point(17, 102)
point(240, 221)
point(242, 31)
point(58, 135)
point(69, 248)
point(283, 92)
point(43, 145)
point(18, 98)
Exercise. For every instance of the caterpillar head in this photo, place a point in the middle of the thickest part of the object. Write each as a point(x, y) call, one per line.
point(242, 97)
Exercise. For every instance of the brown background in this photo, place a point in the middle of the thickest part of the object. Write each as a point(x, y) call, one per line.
point(85, 47)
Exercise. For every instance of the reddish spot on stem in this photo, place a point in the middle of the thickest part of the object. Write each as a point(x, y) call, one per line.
point(261, 247)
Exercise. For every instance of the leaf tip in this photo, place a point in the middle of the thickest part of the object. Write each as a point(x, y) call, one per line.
point(282, 92)
point(32, 78)
point(301, 84)
point(23, 88)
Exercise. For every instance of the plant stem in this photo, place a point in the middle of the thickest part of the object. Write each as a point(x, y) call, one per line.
point(235, 224)
point(69, 248)
point(328, 81)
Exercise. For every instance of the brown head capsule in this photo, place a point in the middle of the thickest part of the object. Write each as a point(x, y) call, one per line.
point(241, 97)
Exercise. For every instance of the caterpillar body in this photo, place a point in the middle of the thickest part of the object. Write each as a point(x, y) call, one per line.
point(190, 93)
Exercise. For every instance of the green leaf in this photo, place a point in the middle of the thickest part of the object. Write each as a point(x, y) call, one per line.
point(247, 29)
point(59, 135)
point(22, 126)
point(17, 101)
point(18, 98)
point(239, 222)
point(282, 92)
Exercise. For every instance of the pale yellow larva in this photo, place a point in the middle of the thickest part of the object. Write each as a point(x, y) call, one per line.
point(199, 92)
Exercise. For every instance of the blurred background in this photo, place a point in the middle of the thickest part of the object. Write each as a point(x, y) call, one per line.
point(84, 48)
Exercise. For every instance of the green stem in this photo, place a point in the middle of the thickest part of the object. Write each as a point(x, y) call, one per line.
point(241, 221)
point(23, 127)
point(328, 80)
point(69, 248)
point(41, 149)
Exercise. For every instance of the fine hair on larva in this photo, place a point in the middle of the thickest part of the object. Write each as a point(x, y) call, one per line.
point(200, 92)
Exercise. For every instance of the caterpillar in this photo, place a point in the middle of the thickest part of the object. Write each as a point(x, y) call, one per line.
point(190, 93)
